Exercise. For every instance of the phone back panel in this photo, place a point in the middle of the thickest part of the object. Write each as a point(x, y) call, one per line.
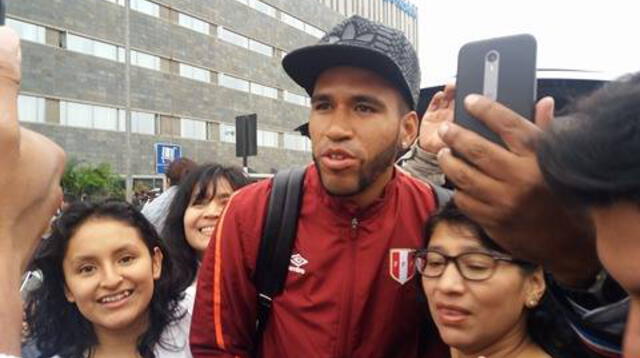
point(515, 83)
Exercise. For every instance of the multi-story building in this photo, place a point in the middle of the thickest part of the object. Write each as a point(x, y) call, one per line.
point(182, 70)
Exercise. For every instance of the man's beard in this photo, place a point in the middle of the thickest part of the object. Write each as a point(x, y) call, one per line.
point(368, 173)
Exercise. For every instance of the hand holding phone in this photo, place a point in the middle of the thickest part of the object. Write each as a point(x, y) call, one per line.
point(503, 69)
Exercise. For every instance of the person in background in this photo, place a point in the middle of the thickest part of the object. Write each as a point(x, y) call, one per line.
point(590, 159)
point(31, 168)
point(156, 210)
point(193, 215)
point(109, 285)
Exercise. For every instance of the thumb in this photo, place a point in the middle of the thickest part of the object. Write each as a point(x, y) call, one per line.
point(544, 112)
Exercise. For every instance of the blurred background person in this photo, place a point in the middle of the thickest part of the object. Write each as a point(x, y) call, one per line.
point(193, 216)
point(156, 210)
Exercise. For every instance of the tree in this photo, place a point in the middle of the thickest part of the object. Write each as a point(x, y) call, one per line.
point(89, 182)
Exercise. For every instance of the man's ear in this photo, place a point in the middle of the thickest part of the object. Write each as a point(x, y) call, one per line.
point(408, 128)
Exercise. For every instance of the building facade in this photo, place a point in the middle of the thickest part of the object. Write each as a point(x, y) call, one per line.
point(182, 70)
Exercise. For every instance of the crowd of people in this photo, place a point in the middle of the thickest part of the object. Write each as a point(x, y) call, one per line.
point(531, 255)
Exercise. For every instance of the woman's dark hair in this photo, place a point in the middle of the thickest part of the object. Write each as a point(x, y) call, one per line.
point(546, 323)
point(194, 186)
point(55, 324)
point(452, 215)
point(590, 158)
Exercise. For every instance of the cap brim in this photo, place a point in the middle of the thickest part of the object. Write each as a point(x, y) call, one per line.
point(304, 65)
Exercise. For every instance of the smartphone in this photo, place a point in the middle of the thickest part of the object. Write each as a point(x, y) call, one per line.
point(2, 12)
point(503, 69)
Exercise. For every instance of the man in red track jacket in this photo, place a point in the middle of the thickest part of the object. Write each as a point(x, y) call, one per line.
point(350, 290)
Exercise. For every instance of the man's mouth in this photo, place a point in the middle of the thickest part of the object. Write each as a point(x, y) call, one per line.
point(337, 159)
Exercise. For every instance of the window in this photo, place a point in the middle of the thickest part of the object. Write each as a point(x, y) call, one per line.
point(261, 48)
point(267, 139)
point(193, 23)
point(227, 133)
point(313, 31)
point(265, 91)
point(27, 31)
point(233, 82)
point(192, 128)
point(296, 99)
point(195, 73)
point(232, 37)
point(292, 21)
point(144, 123)
point(95, 48)
point(88, 116)
point(263, 8)
point(297, 142)
point(145, 7)
point(145, 60)
point(30, 109)
point(119, 2)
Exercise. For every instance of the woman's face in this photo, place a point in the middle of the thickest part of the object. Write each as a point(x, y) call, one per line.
point(201, 216)
point(474, 315)
point(109, 274)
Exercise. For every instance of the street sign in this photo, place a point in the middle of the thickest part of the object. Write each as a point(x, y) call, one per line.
point(165, 154)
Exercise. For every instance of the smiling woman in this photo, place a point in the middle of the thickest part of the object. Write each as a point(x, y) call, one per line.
point(109, 282)
point(193, 215)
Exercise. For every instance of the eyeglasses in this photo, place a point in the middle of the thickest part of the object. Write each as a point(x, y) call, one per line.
point(473, 266)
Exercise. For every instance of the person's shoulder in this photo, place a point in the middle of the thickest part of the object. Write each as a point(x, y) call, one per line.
point(409, 182)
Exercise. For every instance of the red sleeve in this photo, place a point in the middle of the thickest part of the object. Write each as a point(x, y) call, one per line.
point(224, 315)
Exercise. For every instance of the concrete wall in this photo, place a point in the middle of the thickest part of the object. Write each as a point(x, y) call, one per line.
point(56, 73)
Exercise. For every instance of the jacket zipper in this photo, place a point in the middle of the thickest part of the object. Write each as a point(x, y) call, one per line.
point(344, 349)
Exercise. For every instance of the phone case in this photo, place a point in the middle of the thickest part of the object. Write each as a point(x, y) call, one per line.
point(504, 69)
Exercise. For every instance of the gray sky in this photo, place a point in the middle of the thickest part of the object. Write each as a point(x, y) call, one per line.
point(586, 35)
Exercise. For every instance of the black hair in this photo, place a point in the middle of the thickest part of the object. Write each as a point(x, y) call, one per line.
point(452, 215)
point(194, 186)
point(56, 325)
point(546, 324)
point(590, 157)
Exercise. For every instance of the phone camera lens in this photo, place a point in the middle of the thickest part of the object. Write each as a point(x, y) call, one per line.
point(492, 56)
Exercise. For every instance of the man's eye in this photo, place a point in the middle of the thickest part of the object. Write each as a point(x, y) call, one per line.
point(364, 108)
point(320, 106)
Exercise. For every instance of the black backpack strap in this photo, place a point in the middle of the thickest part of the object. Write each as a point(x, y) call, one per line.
point(278, 234)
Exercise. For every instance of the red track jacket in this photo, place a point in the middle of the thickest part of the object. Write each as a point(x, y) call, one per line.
point(347, 293)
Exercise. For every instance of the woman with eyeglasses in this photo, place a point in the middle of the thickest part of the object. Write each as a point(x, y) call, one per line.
point(484, 302)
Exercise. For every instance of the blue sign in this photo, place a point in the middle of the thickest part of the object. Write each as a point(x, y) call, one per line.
point(165, 154)
point(405, 6)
